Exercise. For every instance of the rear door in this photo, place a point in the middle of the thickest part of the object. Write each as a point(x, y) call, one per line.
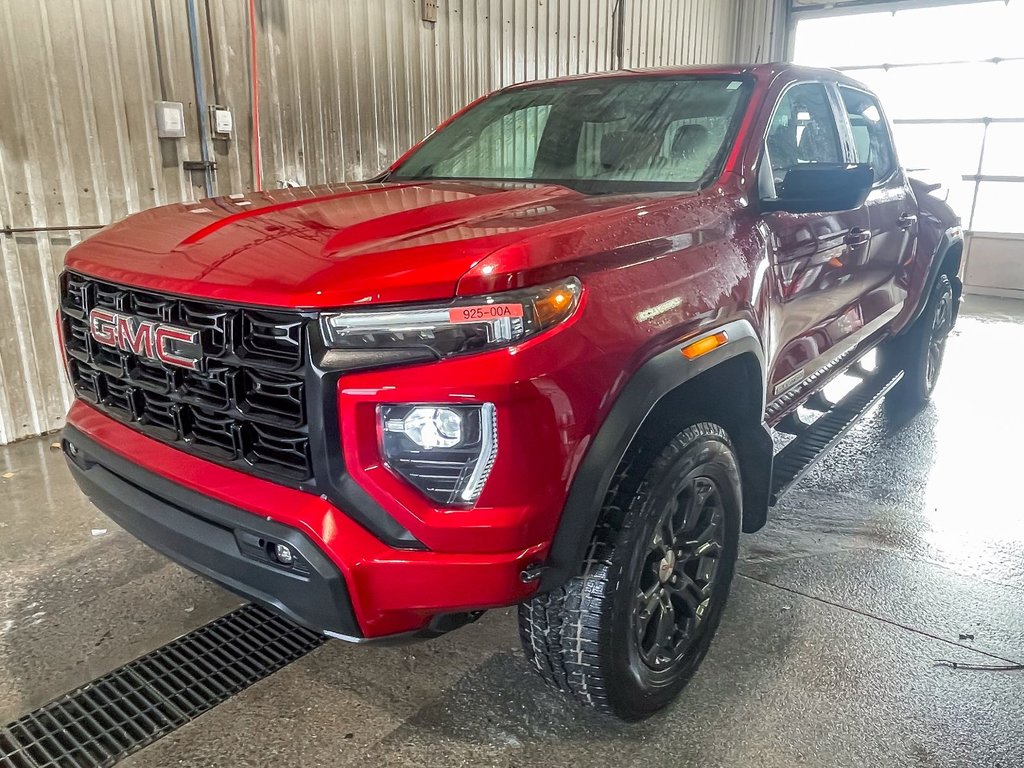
point(891, 206)
point(818, 259)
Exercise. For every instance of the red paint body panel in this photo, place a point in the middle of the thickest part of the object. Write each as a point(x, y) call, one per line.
point(655, 268)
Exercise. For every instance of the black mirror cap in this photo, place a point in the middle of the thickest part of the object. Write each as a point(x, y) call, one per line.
point(822, 188)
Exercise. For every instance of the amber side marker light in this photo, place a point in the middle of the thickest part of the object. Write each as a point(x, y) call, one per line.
point(703, 346)
point(554, 306)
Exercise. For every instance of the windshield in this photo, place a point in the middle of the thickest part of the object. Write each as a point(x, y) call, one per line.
point(604, 135)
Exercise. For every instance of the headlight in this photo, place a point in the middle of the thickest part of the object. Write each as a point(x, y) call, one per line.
point(447, 451)
point(439, 331)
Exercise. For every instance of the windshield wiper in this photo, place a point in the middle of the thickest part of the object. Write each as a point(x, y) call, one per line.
point(423, 174)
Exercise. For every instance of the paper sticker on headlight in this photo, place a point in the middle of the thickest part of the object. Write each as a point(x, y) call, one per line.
point(484, 312)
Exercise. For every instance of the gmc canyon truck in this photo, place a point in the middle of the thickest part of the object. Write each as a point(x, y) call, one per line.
point(537, 362)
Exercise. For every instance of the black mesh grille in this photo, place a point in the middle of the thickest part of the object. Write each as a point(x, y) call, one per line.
point(245, 408)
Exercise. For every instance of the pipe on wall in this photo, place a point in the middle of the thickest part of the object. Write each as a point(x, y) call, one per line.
point(619, 13)
point(197, 76)
point(254, 83)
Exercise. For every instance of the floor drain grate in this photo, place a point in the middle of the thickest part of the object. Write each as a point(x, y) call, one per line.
point(135, 705)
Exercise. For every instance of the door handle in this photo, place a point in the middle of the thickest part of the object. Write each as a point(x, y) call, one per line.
point(857, 236)
point(906, 220)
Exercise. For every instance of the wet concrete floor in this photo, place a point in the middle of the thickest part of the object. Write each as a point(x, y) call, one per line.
point(903, 547)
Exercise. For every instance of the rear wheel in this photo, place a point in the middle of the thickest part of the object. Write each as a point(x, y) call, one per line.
point(920, 351)
point(627, 634)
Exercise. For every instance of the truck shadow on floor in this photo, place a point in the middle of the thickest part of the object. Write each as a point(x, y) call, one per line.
point(502, 706)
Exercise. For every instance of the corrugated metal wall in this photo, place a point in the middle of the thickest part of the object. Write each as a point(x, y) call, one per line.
point(346, 85)
point(761, 28)
point(351, 85)
point(662, 33)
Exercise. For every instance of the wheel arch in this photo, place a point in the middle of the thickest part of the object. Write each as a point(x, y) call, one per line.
point(725, 386)
point(946, 260)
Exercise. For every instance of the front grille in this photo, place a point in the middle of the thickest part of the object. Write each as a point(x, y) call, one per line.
point(245, 408)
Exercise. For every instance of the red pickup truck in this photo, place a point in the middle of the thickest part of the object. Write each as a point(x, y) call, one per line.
point(537, 362)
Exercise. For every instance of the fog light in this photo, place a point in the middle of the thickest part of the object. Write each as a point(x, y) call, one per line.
point(447, 451)
point(283, 554)
point(430, 427)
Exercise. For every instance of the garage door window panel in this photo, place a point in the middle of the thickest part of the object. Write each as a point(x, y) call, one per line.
point(999, 207)
point(1004, 149)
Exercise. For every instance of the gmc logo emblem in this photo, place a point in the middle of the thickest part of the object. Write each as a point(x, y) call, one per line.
point(144, 338)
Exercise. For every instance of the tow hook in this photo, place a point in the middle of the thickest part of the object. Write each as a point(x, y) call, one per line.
point(532, 572)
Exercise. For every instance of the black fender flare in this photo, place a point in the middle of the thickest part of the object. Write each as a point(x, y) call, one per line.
point(950, 238)
point(653, 381)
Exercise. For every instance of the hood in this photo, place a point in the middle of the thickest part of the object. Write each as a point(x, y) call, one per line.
point(332, 245)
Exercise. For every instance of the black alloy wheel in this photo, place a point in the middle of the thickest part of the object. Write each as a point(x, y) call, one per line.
point(677, 580)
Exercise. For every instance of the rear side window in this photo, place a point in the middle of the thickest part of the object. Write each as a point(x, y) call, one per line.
point(871, 141)
point(803, 130)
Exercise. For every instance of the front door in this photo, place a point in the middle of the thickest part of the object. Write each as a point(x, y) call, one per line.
point(818, 259)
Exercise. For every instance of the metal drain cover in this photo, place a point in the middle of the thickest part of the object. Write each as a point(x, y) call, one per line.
point(133, 706)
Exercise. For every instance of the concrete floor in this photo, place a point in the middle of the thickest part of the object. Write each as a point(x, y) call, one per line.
point(903, 547)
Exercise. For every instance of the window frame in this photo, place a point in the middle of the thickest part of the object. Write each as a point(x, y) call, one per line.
point(851, 142)
point(844, 137)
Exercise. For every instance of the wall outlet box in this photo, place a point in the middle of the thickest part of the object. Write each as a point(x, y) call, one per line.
point(170, 119)
point(221, 122)
point(430, 10)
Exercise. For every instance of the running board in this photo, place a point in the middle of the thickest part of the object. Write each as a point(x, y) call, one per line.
point(794, 461)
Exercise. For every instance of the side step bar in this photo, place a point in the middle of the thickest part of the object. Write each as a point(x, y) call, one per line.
point(794, 461)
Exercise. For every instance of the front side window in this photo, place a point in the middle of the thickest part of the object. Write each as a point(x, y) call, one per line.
point(803, 130)
point(871, 142)
point(599, 135)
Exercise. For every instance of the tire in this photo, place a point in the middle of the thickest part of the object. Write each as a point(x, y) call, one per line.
point(628, 633)
point(920, 351)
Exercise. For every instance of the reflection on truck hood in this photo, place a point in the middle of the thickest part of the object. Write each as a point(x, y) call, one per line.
point(331, 245)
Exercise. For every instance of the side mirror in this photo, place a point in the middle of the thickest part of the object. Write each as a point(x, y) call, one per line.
point(821, 188)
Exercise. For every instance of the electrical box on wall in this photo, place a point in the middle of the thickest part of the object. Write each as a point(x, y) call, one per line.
point(221, 122)
point(430, 10)
point(170, 119)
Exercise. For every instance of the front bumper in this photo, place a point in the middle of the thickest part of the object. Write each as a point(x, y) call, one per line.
point(210, 519)
point(214, 539)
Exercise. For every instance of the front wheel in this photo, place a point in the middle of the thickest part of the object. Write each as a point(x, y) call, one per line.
point(628, 633)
